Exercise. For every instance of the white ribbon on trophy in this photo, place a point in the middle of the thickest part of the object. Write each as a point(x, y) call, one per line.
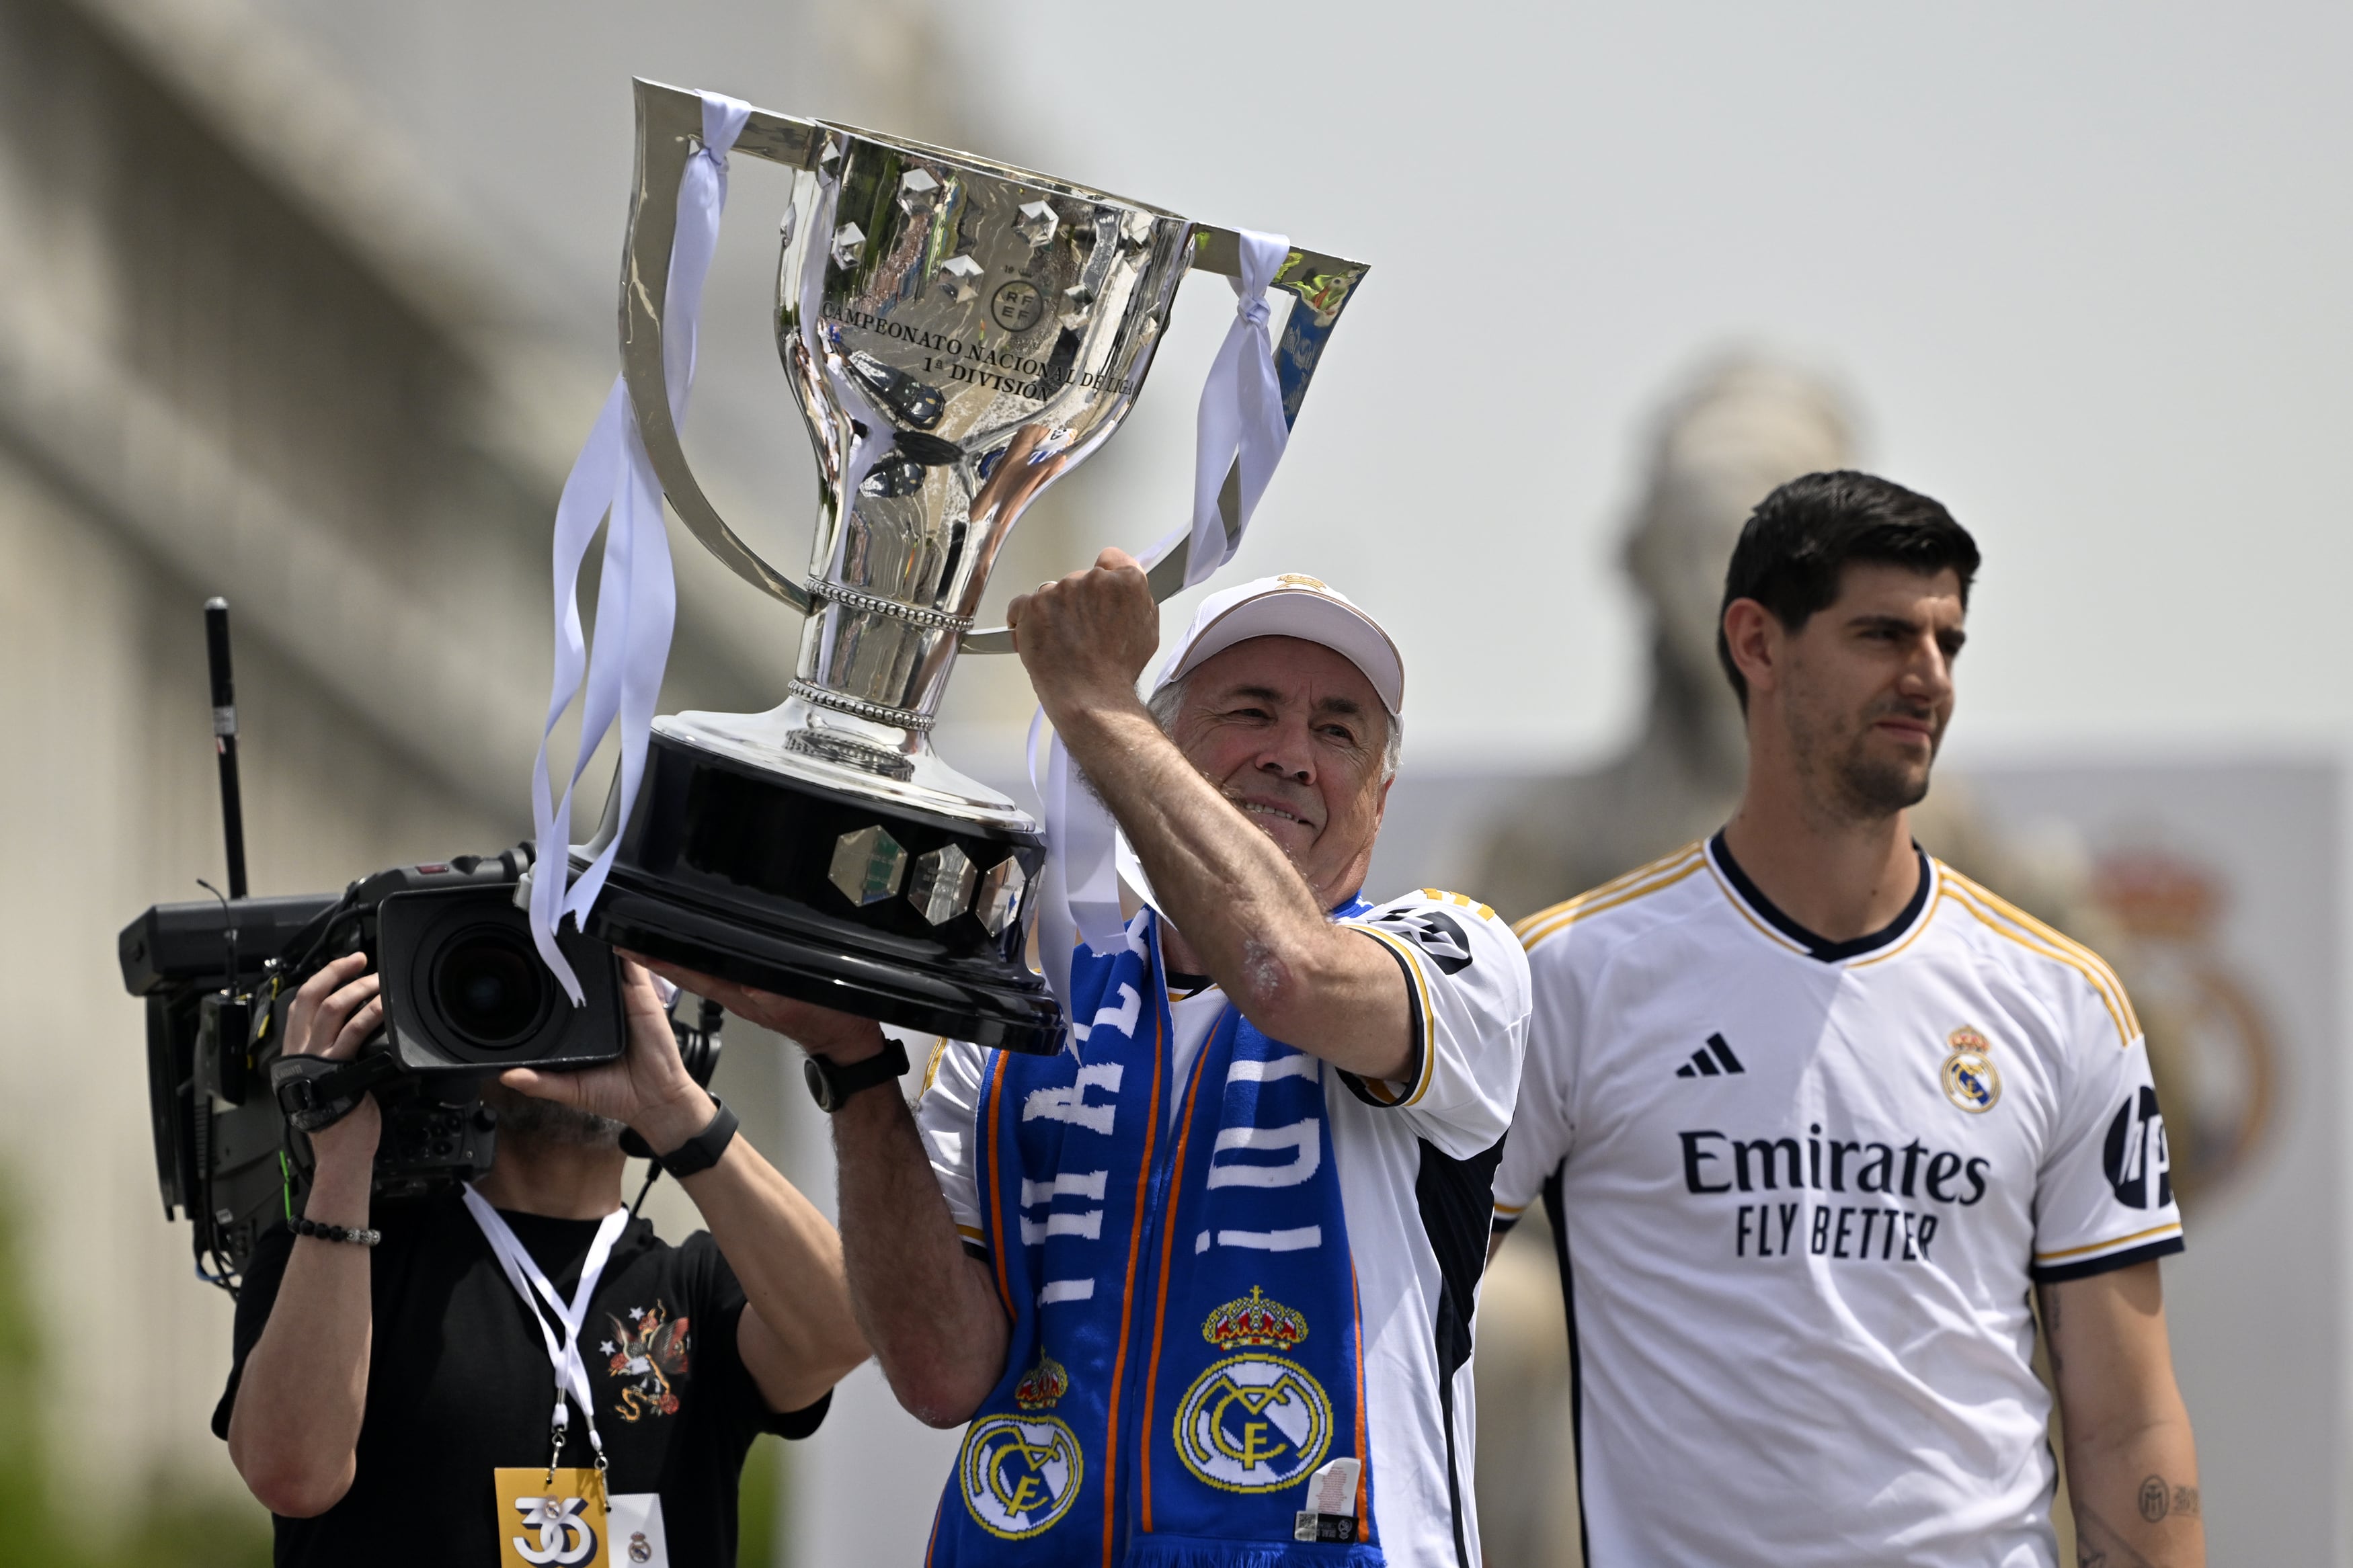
point(1239, 424)
point(636, 598)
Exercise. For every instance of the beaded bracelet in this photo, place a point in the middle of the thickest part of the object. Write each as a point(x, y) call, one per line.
point(343, 1232)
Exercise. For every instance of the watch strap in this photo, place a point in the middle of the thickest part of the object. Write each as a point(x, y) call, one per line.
point(703, 1150)
point(832, 1086)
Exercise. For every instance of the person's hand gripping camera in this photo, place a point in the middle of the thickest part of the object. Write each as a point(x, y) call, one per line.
point(648, 1089)
point(331, 1016)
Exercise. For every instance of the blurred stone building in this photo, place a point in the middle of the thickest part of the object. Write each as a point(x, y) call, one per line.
point(243, 350)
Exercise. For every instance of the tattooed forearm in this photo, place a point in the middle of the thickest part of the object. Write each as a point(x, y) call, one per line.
point(2159, 1499)
point(2097, 1544)
point(2131, 1461)
point(2051, 1329)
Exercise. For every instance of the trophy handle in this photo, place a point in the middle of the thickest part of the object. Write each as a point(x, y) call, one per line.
point(1323, 286)
point(670, 125)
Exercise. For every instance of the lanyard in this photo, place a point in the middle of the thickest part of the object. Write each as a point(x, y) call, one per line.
point(564, 1354)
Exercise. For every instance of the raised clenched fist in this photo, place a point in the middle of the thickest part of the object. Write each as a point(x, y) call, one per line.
point(1085, 640)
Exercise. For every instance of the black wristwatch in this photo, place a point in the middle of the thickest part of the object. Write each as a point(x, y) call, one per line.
point(698, 1153)
point(832, 1086)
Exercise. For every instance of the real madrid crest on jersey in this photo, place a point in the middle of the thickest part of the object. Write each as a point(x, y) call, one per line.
point(1971, 1080)
point(1254, 1422)
point(1021, 1473)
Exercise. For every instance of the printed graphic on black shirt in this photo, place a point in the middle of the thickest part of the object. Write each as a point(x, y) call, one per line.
point(649, 1354)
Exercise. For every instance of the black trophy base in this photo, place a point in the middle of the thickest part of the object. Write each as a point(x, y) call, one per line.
point(854, 903)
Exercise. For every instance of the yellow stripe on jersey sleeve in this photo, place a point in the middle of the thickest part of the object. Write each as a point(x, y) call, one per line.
point(1423, 1020)
point(2100, 973)
point(2172, 1227)
point(1639, 883)
point(2007, 919)
point(1459, 900)
point(1660, 867)
point(931, 1068)
point(2110, 996)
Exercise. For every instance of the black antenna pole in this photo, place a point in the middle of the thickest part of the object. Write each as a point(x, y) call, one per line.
point(225, 740)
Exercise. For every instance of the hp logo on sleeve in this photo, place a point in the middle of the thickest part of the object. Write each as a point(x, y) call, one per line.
point(2139, 1166)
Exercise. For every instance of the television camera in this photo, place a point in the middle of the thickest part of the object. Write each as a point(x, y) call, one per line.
point(466, 997)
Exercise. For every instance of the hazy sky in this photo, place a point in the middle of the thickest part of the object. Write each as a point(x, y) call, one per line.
point(2085, 269)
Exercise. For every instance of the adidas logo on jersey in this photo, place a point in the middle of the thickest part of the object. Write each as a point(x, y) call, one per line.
point(1712, 1060)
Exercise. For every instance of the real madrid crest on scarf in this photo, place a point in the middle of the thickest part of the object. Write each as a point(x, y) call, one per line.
point(1185, 1356)
point(1256, 1421)
point(1021, 1472)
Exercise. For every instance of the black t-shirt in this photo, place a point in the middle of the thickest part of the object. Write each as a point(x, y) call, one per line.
point(459, 1386)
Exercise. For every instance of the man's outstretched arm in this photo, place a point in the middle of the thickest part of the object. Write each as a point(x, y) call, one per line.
point(798, 1336)
point(929, 1308)
point(914, 1282)
point(2131, 1464)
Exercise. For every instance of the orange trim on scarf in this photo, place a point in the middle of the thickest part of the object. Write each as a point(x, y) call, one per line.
point(1167, 1241)
point(996, 1094)
point(1364, 1459)
point(1127, 1300)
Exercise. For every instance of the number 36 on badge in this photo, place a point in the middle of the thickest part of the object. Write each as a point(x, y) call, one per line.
point(568, 1525)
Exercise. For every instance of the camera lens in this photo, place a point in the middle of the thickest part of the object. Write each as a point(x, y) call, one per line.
point(492, 987)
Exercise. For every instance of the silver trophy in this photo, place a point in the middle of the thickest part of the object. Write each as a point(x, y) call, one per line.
point(960, 333)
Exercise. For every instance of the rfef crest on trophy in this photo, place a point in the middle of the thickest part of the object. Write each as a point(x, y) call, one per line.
point(959, 333)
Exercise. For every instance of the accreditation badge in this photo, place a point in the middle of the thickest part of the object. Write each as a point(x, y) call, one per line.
point(574, 1524)
point(558, 1525)
point(635, 1528)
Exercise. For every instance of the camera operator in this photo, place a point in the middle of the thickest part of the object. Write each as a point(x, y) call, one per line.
point(389, 1385)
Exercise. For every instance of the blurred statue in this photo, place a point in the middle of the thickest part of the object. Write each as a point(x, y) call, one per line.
point(1743, 426)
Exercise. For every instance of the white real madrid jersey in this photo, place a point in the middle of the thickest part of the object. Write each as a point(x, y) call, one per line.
point(1416, 1161)
point(1801, 1190)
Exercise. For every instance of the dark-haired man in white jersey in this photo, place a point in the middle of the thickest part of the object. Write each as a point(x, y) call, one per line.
point(1813, 1117)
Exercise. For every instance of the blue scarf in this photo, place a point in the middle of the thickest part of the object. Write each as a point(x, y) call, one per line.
point(1185, 1351)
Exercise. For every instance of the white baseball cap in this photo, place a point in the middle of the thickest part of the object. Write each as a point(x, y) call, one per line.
point(1290, 605)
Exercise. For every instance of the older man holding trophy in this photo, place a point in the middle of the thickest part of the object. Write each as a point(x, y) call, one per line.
point(1190, 1227)
point(1202, 1281)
